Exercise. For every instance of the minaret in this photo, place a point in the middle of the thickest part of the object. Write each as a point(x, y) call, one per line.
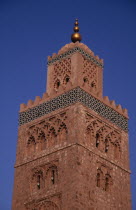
point(72, 150)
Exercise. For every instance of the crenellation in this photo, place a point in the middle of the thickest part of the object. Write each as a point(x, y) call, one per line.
point(119, 108)
point(45, 96)
point(23, 107)
point(106, 100)
point(125, 111)
point(37, 100)
point(29, 104)
point(113, 104)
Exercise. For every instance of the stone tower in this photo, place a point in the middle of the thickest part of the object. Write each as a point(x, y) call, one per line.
point(72, 151)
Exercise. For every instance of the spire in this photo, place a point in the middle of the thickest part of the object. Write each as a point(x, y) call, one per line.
point(76, 36)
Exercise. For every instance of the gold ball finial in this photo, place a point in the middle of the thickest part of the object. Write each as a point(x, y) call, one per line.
point(76, 36)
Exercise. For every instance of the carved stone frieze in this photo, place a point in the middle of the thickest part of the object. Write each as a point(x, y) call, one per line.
point(104, 137)
point(70, 97)
point(47, 133)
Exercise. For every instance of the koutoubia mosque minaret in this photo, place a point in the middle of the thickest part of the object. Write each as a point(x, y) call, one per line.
point(72, 149)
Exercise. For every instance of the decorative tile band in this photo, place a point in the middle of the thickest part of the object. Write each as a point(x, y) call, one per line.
point(72, 51)
point(69, 98)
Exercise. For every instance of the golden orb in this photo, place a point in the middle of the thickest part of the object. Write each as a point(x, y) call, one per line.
point(76, 28)
point(76, 36)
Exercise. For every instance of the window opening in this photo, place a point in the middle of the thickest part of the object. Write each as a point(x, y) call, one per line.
point(67, 79)
point(98, 179)
point(93, 85)
point(97, 139)
point(106, 184)
point(58, 84)
point(38, 182)
point(53, 176)
point(85, 79)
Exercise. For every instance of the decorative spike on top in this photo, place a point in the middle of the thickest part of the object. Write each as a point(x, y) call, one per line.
point(76, 36)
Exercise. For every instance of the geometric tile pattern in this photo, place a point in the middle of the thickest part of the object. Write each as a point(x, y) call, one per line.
point(70, 52)
point(64, 100)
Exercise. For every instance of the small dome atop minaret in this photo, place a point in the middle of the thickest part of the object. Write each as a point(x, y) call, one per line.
point(76, 36)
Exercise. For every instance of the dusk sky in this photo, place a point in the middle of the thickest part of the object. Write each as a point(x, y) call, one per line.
point(31, 30)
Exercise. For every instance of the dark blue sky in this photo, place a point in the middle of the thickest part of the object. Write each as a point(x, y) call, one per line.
point(31, 30)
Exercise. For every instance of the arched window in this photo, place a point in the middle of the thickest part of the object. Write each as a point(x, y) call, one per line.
point(37, 181)
point(57, 84)
point(52, 176)
point(93, 85)
point(66, 79)
point(107, 182)
point(85, 79)
point(98, 179)
point(97, 139)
